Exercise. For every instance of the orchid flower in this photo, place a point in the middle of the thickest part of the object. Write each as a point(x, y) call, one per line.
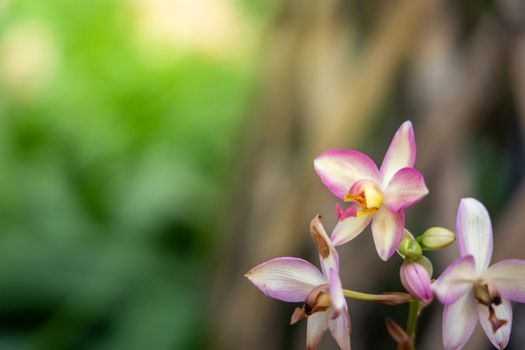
point(296, 280)
point(381, 194)
point(471, 290)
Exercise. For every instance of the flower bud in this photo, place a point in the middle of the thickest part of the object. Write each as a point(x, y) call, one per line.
point(409, 248)
point(436, 238)
point(416, 280)
point(426, 263)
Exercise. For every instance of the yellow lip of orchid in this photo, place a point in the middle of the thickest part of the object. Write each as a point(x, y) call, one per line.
point(374, 198)
point(370, 199)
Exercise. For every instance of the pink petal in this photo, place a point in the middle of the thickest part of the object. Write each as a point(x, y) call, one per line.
point(509, 278)
point(406, 188)
point(401, 153)
point(456, 280)
point(337, 298)
point(349, 228)
point(317, 325)
point(340, 169)
point(287, 279)
point(500, 338)
point(474, 232)
point(416, 280)
point(459, 321)
point(387, 229)
point(340, 329)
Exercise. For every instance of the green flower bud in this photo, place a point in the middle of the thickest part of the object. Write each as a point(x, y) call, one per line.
point(410, 249)
point(436, 238)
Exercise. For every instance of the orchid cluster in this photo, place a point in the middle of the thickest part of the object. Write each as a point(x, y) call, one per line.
point(469, 288)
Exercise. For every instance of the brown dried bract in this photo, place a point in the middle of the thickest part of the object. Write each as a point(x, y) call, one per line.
point(318, 300)
point(319, 236)
point(404, 342)
point(298, 315)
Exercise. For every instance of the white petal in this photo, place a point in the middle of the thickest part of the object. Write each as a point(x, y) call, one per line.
point(456, 280)
point(337, 298)
point(459, 321)
point(340, 329)
point(500, 339)
point(287, 279)
point(387, 229)
point(316, 326)
point(474, 232)
point(349, 228)
point(509, 278)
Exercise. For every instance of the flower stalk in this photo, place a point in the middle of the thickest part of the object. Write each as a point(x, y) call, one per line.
point(413, 314)
point(387, 298)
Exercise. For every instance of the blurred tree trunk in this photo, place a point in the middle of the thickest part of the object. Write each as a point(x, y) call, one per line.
point(312, 100)
point(324, 88)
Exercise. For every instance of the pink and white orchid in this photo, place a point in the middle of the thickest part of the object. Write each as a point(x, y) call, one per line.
point(471, 290)
point(296, 280)
point(382, 194)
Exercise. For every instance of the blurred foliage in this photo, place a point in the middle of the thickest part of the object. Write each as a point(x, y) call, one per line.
point(115, 156)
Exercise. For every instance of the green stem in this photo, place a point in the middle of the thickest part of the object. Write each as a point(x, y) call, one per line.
point(413, 313)
point(358, 295)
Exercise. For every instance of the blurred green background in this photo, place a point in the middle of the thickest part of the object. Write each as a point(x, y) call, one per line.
point(153, 151)
point(118, 127)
